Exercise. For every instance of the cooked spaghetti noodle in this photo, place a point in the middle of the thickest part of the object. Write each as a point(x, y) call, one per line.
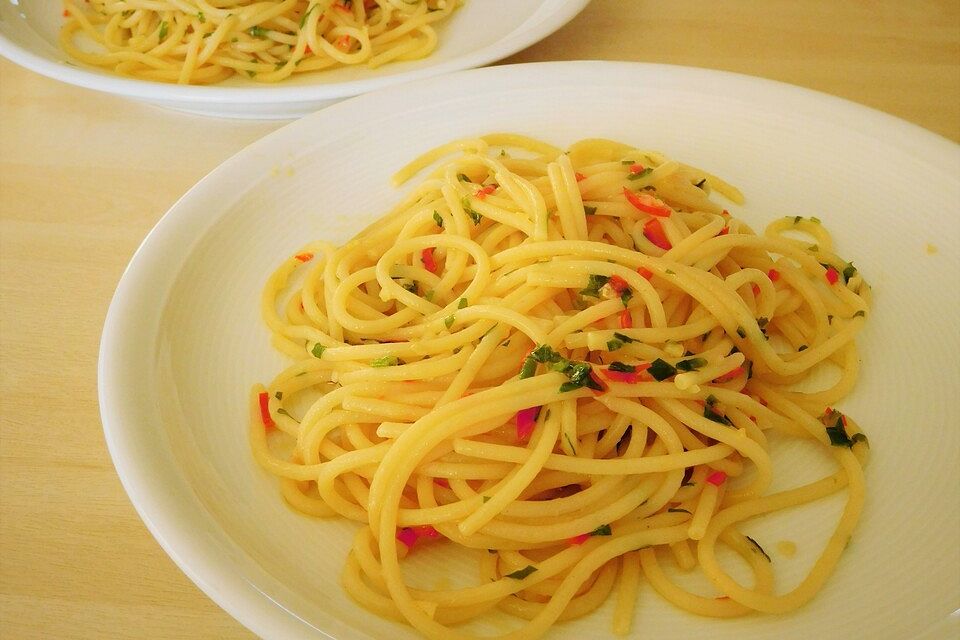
point(567, 365)
point(203, 42)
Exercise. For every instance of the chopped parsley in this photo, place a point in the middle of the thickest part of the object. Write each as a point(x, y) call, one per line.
point(710, 412)
point(257, 32)
point(621, 367)
point(641, 174)
point(691, 364)
point(462, 303)
point(679, 510)
point(594, 284)
point(476, 217)
point(385, 361)
point(613, 345)
point(437, 219)
point(661, 370)
point(588, 210)
point(602, 530)
point(303, 18)
point(448, 321)
point(623, 338)
point(520, 574)
point(163, 29)
point(318, 350)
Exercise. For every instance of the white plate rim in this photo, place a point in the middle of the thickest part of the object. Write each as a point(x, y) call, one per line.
point(243, 601)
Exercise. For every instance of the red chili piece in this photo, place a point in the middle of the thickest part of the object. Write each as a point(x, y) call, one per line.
point(265, 411)
point(626, 319)
point(428, 262)
point(653, 231)
point(717, 478)
point(647, 203)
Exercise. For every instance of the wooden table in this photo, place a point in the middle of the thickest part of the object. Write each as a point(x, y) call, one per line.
point(84, 176)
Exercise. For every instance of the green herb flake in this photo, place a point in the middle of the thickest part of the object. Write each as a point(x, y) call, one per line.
point(797, 219)
point(692, 364)
point(661, 370)
point(623, 338)
point(438, 219)
point(758, 548)
point(428, 296)
point(848, 271)
point(613, 345)
point(838, 433)
point(462, 177)
point(486, 499)
point(700, 184)
point(602, 530)
point(543, 353)
point(588, 210)
point(462, 303)
point(679, 510)
point(710, 412)
point(385, 361)
point(570, 443)
point(448, 321)
point(641, 174)
point(278, 395)
point(621, 367)
point(859, 437)
point(476, 217)
point(860, 314)
point(741, 332)
point(626, 296)
point(522, 573)
point(257, 32)
point(594, 284)
point(284, 412)
point(528, 369)
point(164, 27)
point(201, 17)
point(318, 350)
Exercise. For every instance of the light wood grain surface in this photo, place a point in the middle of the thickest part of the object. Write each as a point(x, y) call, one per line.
point(84, 176)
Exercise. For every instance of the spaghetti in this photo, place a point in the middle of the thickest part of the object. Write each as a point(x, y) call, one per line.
point(567, 364)
point(207, 41)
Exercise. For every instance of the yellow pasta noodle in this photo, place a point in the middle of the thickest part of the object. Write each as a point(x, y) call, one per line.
point(566, 364)
point(207, 41)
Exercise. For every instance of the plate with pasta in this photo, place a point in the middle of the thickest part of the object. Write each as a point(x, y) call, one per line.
point(247, 59)
point(674, 360)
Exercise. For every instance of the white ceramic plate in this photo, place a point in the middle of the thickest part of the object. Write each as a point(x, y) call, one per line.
point(478, 33)
point(183, 339)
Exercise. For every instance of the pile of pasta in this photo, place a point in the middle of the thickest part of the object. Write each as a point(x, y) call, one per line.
point(566, 364)
point(207, 41)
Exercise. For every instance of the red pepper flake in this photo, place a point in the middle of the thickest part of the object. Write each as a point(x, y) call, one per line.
point(425, 531)
point(627, 377)
point(724, 231)
point(304, 257)
point(579, 176)
point(773, 274)
point(66, 14)
point(307, 51)
point(370, 4)
point(618, 284)
point(268, 422)
point(442, 482)
point(636, 168)
point(646, 273)
point(647, 203)
point(755, 288)
point(343, 42)
point(485, 191)
point(722, 598)
point(526, 421)
point(730, 375)
point(717, 478)
point(626, 319)
point(580, 539)
point(843, 419)
point(604, 387)
point(407, 536)
point(725, 213)
point(428, 262)
point(832, 275)
point(653, 231)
